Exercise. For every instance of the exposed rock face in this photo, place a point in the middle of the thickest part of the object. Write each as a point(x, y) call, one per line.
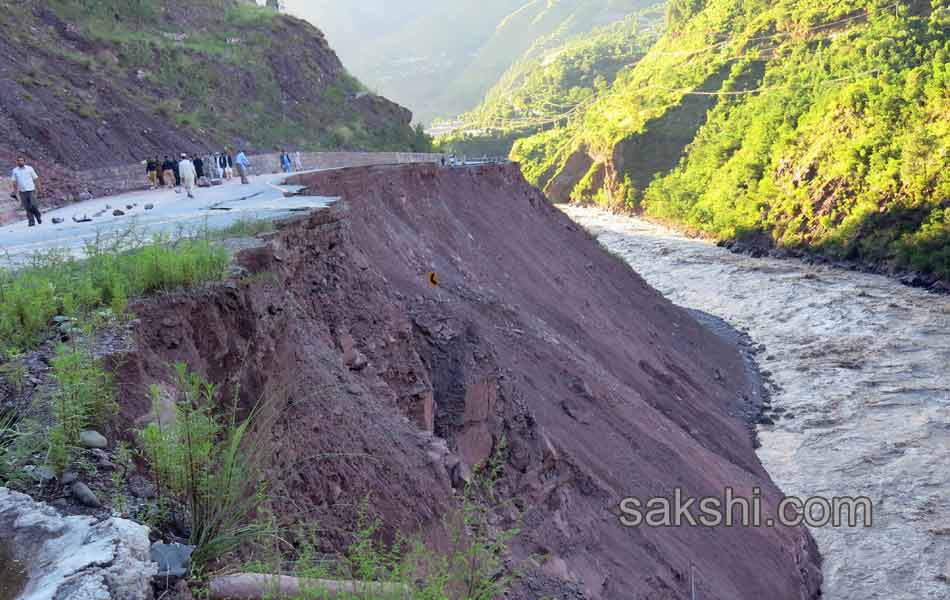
point(75, 558)
point(536, 347)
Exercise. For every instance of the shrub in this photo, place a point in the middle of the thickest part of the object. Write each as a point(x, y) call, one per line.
point(205, 461)
point(20, 442)
point(83, 398)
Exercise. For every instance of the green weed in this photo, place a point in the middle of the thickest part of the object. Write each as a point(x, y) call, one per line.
point(83, 398)
point(204, 461)
point(470, 568)
point(20, 442)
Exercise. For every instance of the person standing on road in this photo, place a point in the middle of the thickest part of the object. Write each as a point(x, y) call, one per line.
point(189, 175)
point(24, 180)
point(228, 163)
point(216, 170)
point(177, 174)
point(151, 171)
point(168, 172)
point(298, 161)
point(285, 163)
point(199, 166)
point(243, 165)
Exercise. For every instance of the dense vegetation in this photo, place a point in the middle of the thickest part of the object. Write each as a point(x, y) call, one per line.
point(60, 285)
point(440, 58)
point(553, 81)
point(812, 126)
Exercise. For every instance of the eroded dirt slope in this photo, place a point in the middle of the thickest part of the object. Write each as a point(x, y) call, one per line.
point(601, 388)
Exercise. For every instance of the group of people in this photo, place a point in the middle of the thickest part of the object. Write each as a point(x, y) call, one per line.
point(189, 171)
point(290, 163)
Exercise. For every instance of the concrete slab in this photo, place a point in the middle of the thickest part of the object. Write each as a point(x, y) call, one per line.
point(215, 207)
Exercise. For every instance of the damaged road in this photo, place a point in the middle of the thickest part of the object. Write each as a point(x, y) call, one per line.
point(161, 211)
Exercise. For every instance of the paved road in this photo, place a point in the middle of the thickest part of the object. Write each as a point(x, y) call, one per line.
point(217, 207)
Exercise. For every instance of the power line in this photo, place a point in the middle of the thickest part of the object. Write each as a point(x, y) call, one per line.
point(866, 13)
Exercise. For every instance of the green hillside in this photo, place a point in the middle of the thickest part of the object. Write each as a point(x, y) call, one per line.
point(555, 79)
point(440, 59)
point(810, 126)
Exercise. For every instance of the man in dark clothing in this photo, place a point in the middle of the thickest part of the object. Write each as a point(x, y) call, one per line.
point(151, 171)
point(168, 172)
point(177, 174)
point(199, 166)
point(158, 172)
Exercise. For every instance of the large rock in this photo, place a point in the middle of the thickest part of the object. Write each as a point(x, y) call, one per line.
point(75, 558)
point(93, 439)
point(85, 496)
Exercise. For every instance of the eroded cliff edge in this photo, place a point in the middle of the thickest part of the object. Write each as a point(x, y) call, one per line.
point(600, 388)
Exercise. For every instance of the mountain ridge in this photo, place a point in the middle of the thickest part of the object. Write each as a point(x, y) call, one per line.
point(776, 125)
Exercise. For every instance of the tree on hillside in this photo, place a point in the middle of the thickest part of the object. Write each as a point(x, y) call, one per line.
point(679, 11)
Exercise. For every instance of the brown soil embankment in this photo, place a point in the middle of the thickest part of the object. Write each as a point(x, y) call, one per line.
point(601, 388)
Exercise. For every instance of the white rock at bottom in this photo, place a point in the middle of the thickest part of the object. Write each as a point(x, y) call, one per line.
point(75, 558)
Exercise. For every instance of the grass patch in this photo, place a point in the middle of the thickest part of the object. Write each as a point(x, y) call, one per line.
point(57, 284)
point(247, 14)
point(19, 442)
point(243, 228)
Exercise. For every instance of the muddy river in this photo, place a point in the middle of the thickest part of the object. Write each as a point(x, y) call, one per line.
point(861, 367)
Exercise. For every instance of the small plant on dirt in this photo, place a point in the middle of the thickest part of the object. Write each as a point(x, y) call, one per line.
point(205, 461)
point(83, 398)
point(14, 370)
point(123, 462)
point(19, 442)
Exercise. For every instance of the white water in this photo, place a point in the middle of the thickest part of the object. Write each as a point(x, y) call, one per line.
point(863, 365)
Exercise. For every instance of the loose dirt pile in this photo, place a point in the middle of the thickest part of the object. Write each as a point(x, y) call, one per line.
point(389, 388)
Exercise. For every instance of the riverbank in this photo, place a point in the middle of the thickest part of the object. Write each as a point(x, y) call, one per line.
point(763, 246)
point(754, 402)
point(913, 279)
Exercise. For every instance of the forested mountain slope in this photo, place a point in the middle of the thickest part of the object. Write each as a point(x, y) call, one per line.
point(554, 80)
point(441, 58)
point(813, 127)
point(91, 83)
